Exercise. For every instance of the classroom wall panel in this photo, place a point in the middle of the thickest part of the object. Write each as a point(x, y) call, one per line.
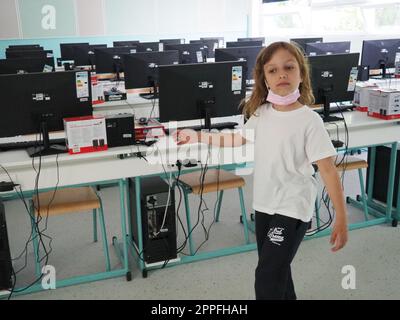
point(90, 17)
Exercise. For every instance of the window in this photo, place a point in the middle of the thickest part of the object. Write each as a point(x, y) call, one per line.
point(308, 17)
point(337, 20)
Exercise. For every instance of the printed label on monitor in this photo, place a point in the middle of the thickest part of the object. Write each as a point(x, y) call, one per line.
point(47, 68)
point(237, 73)
point(352, 79)
point(199, 56)
point(82, 84)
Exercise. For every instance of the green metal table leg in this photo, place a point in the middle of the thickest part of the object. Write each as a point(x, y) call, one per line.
point(392, 171)
point(244, 218)
point(139, 241)
point(363, 195)
point(220, 196)
point(188, 221)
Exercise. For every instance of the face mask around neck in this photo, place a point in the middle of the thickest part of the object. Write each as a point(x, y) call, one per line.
point(285, 100)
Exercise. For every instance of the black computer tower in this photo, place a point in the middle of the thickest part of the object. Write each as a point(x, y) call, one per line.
point(158, 245)
point(381, 174)
point(5, 256)
point(120, 130)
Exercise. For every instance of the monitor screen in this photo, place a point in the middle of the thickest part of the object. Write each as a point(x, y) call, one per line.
point(196, 91)
point(29, 54)
point(301, 42)
point(26, 65)
point(333, 78)
point(252, 39)
point(36, 97)
point(189, 53)
point(221, 40)
point(208, 45)
point(24, 46)
point(248, 54)
point(150, 46)
point(172, 41)
point(321, 48)
point(67, 49)
point(109, 60)
point(380, 53)
point(141, 69)
point(127, 43)
point(254, 43)
point(84, 55)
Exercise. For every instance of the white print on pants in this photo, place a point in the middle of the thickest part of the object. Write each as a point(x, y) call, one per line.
point(275, 235)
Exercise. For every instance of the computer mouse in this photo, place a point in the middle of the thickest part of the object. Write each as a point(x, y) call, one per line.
point(143, 120)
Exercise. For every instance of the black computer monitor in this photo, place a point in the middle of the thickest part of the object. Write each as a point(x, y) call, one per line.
point(149, 46)
point(29, 54)
point(196, 91)
point(109, 60)
point(221, 40)
point(380, 54)
point(26, 65)
point(24, 46)
point(189, 52)
point(333, 79)
point(208, 45)
point(141, 69)
point(321, 48)
point(67, 49)
point(252, 39)
point(125, 43)
point(38, 103)
point(248, 54)
point(172, 41)
point(235, 44)
point(301, 42)
point(84, 55)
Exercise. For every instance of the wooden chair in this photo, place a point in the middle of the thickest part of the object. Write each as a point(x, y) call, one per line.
point(65, 201)
point(214, 180)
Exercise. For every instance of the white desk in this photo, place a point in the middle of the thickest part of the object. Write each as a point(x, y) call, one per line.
point(102, 166)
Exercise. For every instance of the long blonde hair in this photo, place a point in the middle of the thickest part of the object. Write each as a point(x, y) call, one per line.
point(260, 90)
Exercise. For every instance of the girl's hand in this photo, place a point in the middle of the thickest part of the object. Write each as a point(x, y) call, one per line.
point(185, 136)
point(339, 236)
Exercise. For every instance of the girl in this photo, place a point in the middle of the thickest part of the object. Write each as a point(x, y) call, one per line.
point(289, 137)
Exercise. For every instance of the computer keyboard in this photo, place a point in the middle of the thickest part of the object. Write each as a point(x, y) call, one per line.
point(218, 126)
point(335, 109)
point(27, 144)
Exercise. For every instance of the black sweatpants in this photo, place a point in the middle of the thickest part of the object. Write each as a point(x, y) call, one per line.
point(278, 238)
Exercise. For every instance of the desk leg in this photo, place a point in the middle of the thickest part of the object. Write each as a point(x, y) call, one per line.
point(139, 227)
point(124, 255)
point(371, 165)
point(392, 171)
point(397, 214)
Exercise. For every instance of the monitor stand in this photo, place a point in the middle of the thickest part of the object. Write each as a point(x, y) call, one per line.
point(149, 96)
point(41, 151)
point(46, 149)
point(326, 117)
point(152, 94)
point(331, 119)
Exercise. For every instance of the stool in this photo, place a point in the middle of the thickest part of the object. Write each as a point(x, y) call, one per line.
point(214, 180)
point(352, 163)
point(64, 201)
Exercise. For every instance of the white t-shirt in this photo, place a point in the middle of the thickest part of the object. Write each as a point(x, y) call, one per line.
point(286, 145)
